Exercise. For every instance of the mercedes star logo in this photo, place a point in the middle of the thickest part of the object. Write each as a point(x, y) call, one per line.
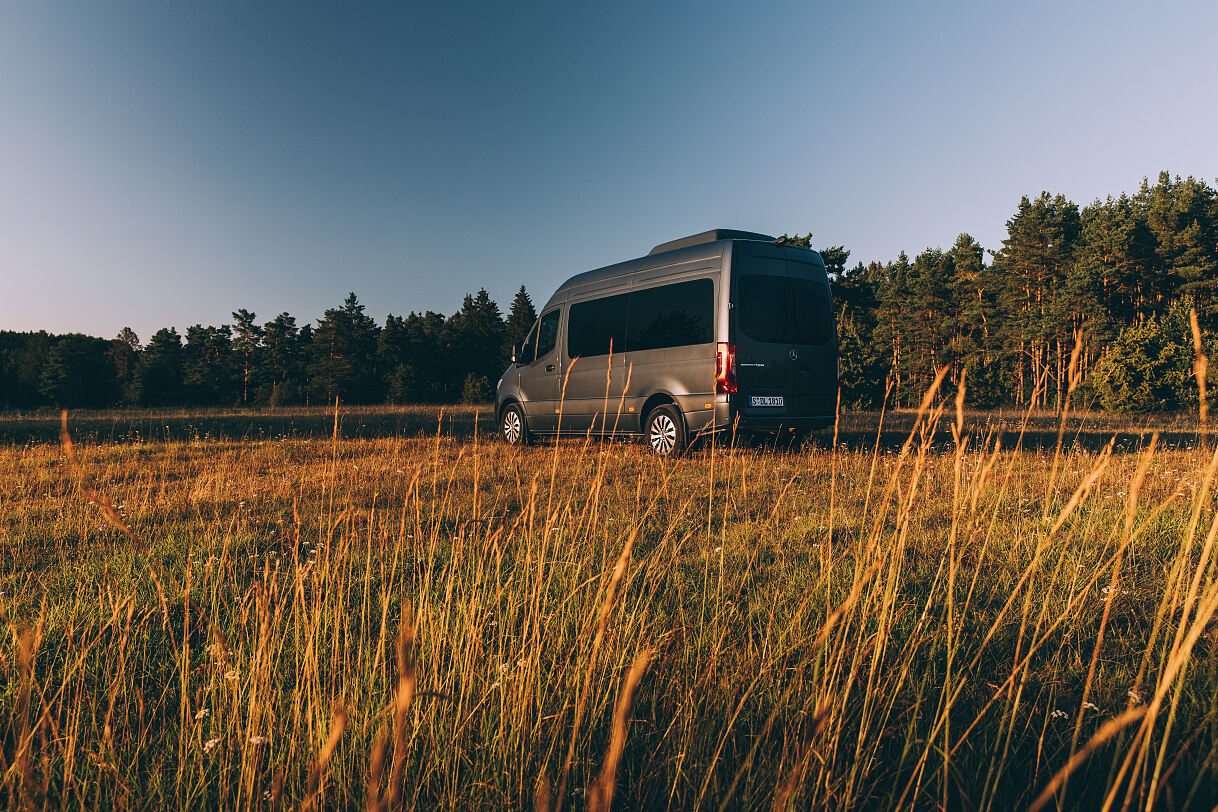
point(794, 353)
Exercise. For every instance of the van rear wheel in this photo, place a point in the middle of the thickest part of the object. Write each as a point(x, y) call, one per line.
point(512, 427)
point(665, 431)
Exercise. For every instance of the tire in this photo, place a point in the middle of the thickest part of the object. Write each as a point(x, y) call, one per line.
point(512, 427)
point(665, 432)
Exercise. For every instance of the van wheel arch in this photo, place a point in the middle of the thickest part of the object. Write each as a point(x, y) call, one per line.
point(658, 399)
point(506, 402)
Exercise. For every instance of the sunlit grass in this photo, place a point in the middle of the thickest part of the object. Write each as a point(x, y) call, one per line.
point(439, 621)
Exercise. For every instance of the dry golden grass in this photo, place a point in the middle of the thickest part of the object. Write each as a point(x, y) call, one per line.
point(442, 622)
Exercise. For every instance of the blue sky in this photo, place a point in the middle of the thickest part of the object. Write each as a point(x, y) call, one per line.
point(165, 163)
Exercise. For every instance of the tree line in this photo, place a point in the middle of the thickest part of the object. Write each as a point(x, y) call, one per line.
point(417, 358)
point(1123, 272)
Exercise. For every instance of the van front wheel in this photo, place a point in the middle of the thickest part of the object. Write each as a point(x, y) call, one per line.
point(665, 431)
point(512, 426)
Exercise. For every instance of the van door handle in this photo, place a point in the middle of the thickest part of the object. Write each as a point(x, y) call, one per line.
point(549, 367)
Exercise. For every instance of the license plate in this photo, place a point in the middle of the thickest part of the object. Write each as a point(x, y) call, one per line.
point(767, 400)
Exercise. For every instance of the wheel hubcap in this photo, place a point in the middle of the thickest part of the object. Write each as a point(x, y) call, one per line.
point(663, 434)
point(511, 427)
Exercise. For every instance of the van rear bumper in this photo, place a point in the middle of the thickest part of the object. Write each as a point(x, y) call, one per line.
point(809, 422)
point(730, 416)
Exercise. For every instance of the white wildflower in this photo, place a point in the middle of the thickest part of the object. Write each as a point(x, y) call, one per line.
point(231, 675)
point(259, 739)
point(201, 714)
point(209, 745)
point(1058, 714)
point(1091, 706)
point(1134, 696)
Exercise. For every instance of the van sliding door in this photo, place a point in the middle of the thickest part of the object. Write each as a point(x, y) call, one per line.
point(596, 375)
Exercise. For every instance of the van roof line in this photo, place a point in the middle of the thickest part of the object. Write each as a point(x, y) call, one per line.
point(714, 235)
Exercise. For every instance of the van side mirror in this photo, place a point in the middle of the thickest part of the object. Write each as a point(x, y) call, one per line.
point(515, 352)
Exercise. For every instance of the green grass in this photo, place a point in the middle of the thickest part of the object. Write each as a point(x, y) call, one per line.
point(859, 625)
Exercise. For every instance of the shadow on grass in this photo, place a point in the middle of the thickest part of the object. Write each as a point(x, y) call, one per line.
point(139, 426)
point(855, 431)
point(1085, 431)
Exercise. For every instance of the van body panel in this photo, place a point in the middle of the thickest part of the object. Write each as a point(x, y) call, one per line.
point(697, 420)
point(679, 372)
point(593, 389)
point(780, 321)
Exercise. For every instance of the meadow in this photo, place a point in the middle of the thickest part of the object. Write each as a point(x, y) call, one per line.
point(389, 608)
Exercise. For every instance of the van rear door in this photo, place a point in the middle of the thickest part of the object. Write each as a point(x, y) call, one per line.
point(786, 352)
point(814, 336)
point(763, 370)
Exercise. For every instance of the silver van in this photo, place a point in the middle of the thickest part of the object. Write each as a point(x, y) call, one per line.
point(718, 331)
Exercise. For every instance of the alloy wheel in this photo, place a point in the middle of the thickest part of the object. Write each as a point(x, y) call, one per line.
point(663, 436)
point(512, 427)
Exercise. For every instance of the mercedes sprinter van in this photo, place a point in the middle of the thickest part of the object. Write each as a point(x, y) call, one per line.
point(720, 331)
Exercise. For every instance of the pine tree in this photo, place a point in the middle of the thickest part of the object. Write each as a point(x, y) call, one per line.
point(520, 319)
point(209, 368)
point(1183, 217)
point(834, 257)
point(476, 339)
point(1039, 322)
point(124, 355)
point(246, 345)
point(344, 350)
point(892, 325)
point(932, 310)
point(249, 340)
point(158, 377)
point(281, 371)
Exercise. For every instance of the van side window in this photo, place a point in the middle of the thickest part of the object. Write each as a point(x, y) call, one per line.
point(671, 315)
point(593, 327)
point(541, 338)
point(547, 333)
point(528, 347)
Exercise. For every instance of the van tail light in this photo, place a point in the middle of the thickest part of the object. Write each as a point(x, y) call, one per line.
point(725, 368)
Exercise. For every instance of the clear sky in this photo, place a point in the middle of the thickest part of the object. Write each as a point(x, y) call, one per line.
point(165, 163)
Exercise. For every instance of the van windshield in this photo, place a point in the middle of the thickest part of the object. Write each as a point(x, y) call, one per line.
point(784, 310)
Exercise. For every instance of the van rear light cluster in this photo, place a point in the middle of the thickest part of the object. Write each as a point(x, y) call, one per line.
point(725, 368)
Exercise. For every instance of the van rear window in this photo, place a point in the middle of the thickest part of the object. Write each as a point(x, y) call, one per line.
point(784, 310)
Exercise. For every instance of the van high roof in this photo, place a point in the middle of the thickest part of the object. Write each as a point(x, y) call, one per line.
point(713, 235)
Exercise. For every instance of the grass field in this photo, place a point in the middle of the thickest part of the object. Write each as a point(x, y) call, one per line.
point(238, 610)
